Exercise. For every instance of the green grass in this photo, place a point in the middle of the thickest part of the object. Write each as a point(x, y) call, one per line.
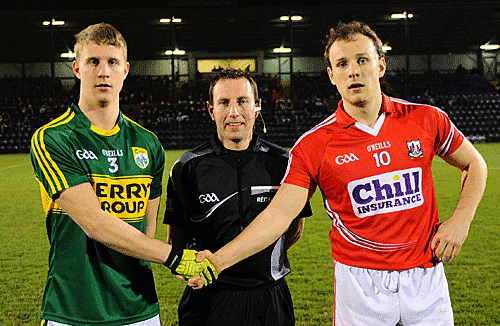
point(474, 278)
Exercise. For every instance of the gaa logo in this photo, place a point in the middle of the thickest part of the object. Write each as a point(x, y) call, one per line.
point(85, 155)
point(347, 158)
point(208, 198)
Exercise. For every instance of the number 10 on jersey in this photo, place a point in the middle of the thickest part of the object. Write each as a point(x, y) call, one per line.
point(382, 158)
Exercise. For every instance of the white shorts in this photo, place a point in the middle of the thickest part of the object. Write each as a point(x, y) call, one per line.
point(418, 296)
point(155, 321)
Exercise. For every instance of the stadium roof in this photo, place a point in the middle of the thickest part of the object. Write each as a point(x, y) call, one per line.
point(231, 26)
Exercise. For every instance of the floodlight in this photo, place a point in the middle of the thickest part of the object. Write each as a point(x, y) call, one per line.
point(170, 20)
point(282, 50)
point(175, 52)
point(489, 47)
point(401, 16)
point(54, 22)
point(68, 55)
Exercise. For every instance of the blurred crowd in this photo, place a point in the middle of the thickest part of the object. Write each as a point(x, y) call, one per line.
point(28, 103)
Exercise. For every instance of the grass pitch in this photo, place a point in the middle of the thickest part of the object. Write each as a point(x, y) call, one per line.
point(474, 278)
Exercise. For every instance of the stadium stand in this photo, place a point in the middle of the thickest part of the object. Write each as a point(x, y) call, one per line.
point(472, 103)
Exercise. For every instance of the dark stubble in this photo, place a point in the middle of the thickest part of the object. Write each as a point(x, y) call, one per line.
point(103, 103)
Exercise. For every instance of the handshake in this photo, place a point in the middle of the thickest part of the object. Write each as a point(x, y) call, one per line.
point(183, 262)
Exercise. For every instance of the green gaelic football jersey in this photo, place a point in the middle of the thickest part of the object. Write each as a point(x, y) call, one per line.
point(89, 283)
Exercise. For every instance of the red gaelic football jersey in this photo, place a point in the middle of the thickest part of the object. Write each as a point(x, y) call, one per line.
point(377, 183)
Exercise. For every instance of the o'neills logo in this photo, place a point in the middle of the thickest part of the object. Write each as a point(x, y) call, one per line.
point(388, 192)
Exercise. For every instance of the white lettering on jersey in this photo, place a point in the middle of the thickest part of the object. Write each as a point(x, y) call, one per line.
point(377, 146)
point(112, 153)
point(85, 155)
point(388, 192)
point(347, 158)
point(258, 190)
point(208, 198)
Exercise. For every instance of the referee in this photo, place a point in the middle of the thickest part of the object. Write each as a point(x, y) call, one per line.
point(213, 193)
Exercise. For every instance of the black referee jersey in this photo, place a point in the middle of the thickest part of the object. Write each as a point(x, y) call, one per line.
point(213, 195)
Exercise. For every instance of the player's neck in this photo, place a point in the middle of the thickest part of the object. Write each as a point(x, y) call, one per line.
point(103, 117)
point(366, 113)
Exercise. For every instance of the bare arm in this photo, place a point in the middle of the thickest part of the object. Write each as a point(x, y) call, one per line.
point(452, 233)
point(81, 204)
point(265, 229)
point(294, 232)
point(151, 216)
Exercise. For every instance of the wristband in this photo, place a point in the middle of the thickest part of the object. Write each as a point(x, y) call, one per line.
point(174, 258)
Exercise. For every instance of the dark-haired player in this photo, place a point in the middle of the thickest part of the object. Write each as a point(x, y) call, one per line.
point(372, 162)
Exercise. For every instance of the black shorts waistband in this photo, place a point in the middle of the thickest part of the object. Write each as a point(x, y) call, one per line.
point(217, 286)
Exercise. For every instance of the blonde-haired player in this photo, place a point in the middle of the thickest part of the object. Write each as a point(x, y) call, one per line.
point(100, 178)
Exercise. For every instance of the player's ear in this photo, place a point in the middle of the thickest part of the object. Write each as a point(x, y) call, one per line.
point(127, 69)
point(330, 75)
point(382, 66)
point(210, 109)
point(76, 69)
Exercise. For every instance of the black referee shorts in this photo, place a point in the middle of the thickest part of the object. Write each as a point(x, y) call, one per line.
point(217, 305)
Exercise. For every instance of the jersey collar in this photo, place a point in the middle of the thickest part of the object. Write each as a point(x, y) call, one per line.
point(345, 120)
point(95, 129)
point(220, 149)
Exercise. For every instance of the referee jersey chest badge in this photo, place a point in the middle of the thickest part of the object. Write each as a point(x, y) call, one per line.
point(141, 157)
point(414, 149)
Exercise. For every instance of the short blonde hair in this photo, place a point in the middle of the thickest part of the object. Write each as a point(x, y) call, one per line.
point(100, 34)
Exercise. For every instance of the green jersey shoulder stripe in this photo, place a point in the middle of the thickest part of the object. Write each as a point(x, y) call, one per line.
point(89, 283)
point(53, 174)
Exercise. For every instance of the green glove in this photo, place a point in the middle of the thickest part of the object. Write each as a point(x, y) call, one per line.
point(183, 262)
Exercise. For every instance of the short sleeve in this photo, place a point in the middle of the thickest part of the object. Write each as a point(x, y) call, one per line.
point(54, 166)
point(174, 210)
point(448, 137)
point(159, 166)
point(303, 165)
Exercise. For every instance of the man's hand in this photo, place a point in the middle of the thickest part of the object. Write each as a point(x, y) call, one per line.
point(452, 233)
point(184, 263)
point(198, 282)
point(449, 238)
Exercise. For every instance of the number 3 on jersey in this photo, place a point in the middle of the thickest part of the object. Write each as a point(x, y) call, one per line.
point(112, 163)
point(382, 158)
